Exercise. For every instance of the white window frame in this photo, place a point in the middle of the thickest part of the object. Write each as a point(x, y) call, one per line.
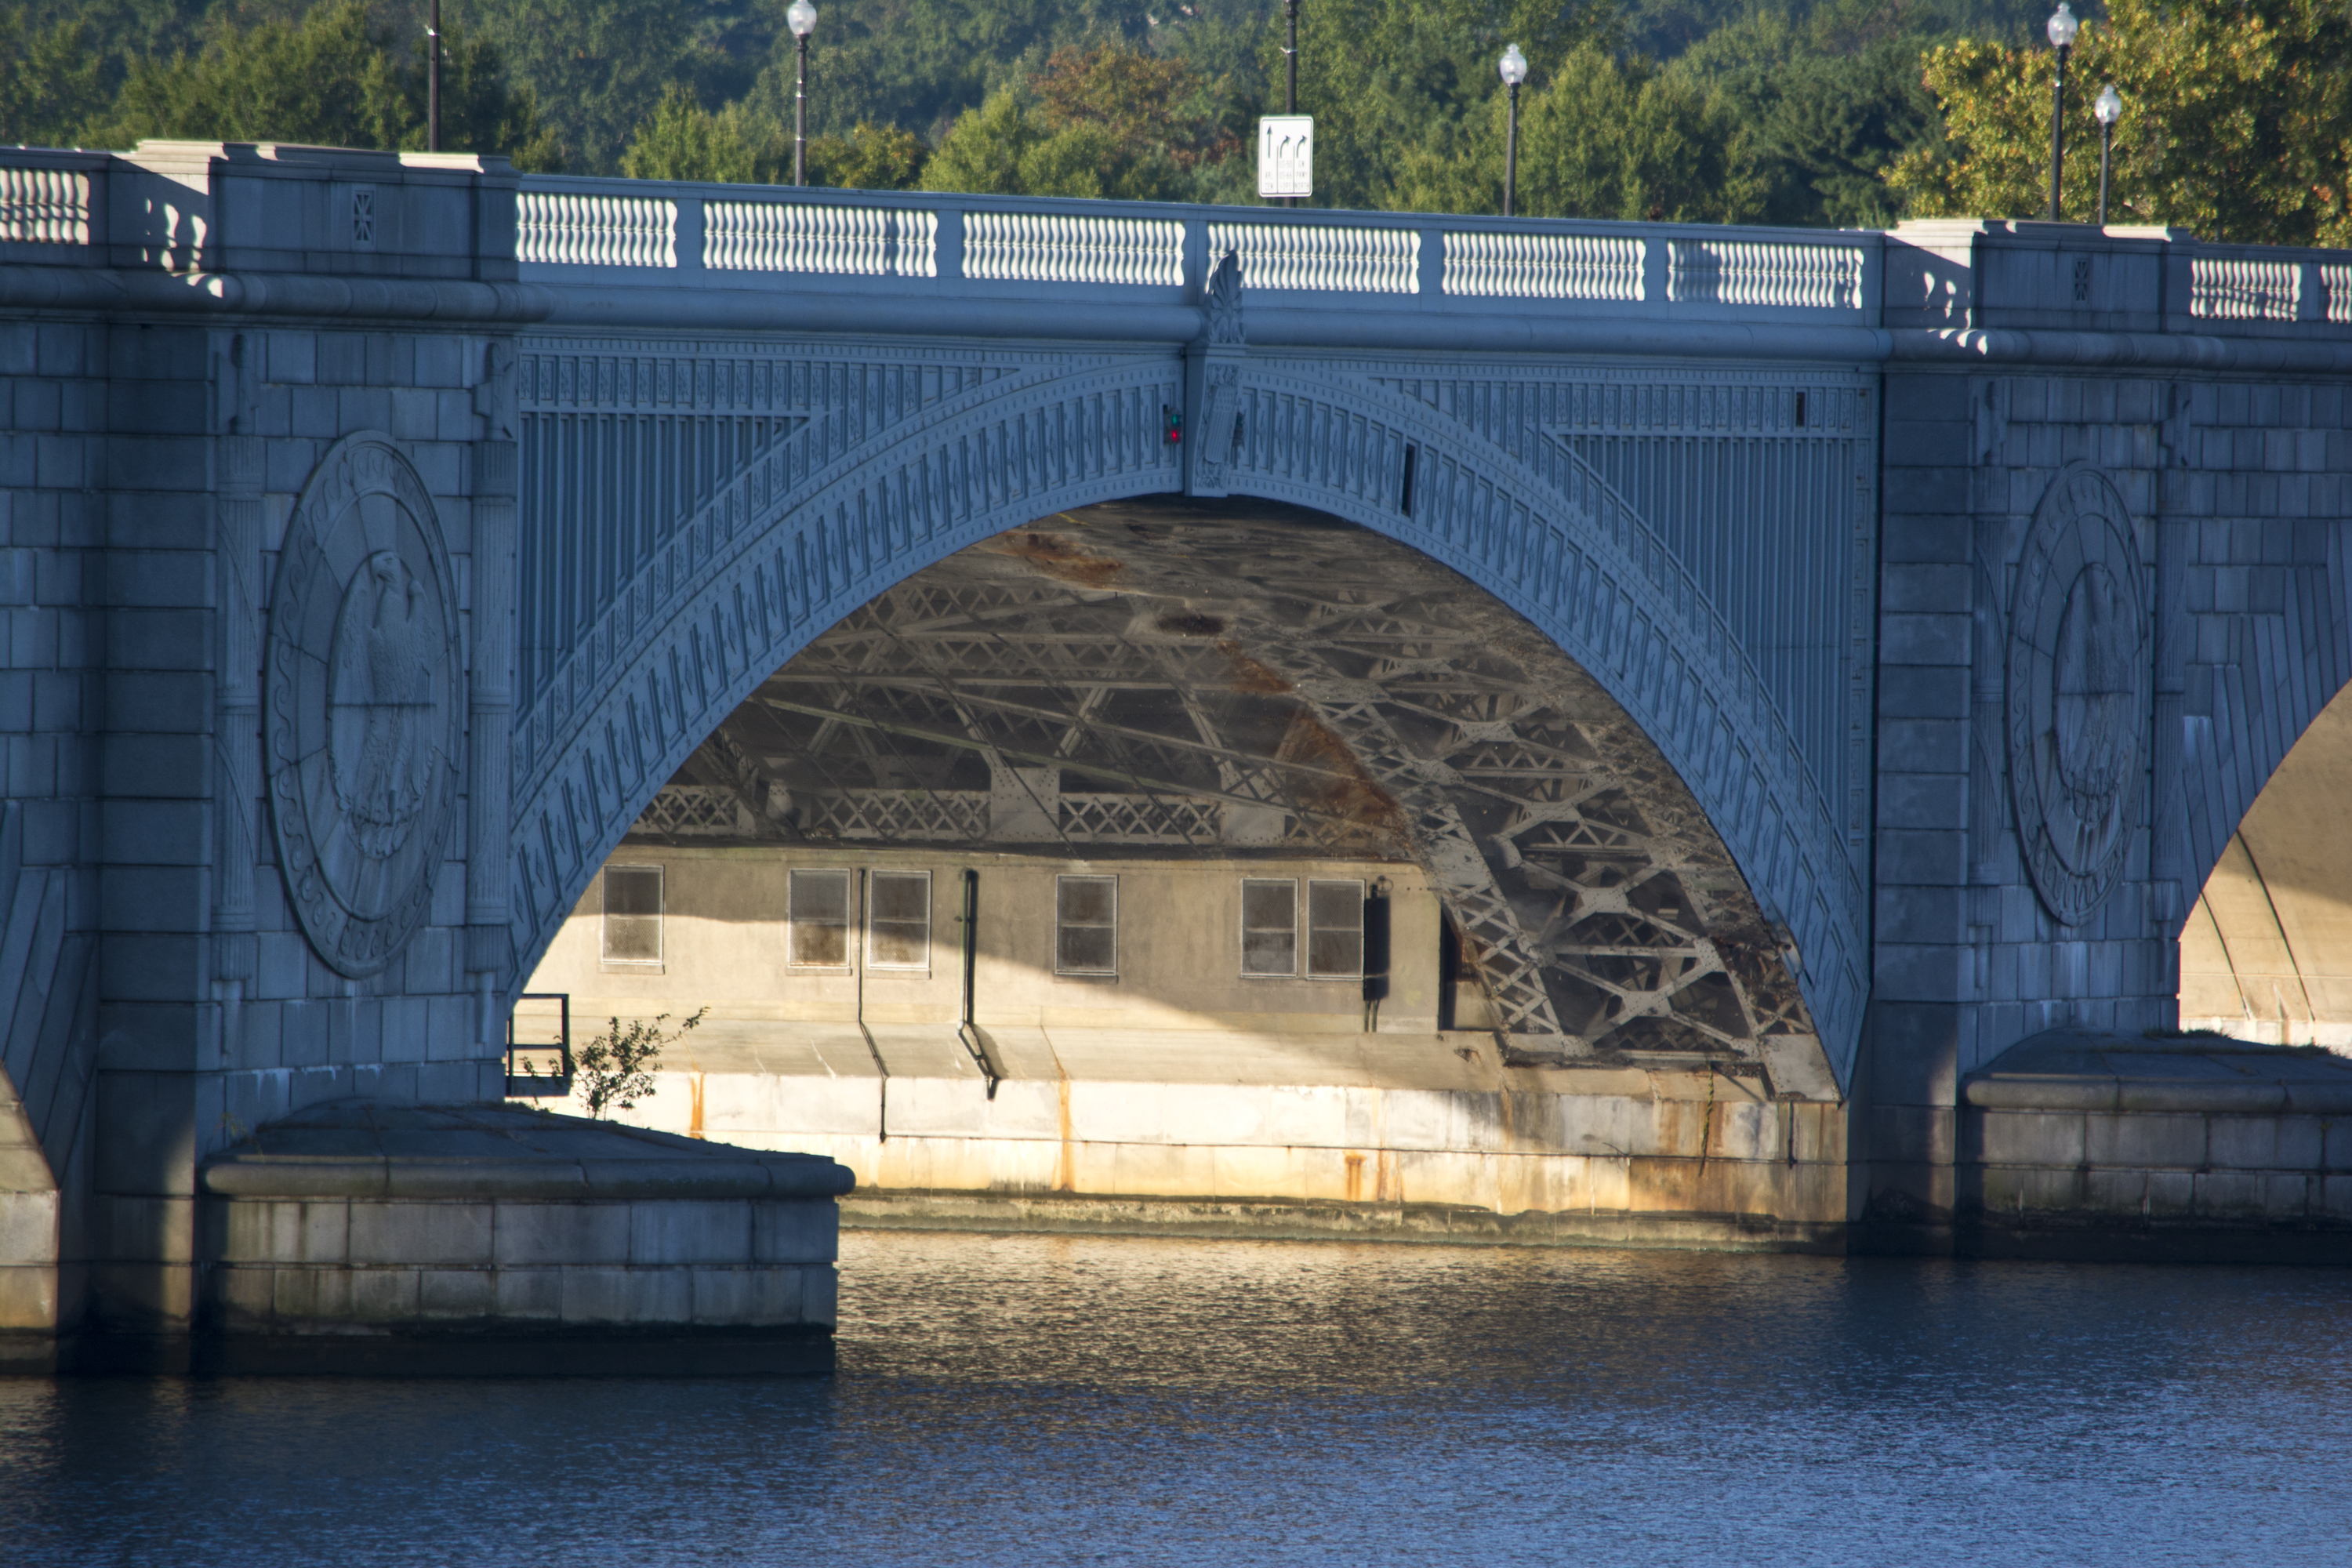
point(874, 963)
point(1306, 921)
point(1242, 930)
point(1109, 973)
point(793, 959)
point(660, 916)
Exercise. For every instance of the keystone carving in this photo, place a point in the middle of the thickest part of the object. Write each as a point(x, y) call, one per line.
point(365, 707)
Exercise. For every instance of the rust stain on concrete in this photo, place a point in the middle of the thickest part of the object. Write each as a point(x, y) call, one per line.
point(1059, 558)
point(1340, 786)
point(1250, 674)
point(1065, 1169)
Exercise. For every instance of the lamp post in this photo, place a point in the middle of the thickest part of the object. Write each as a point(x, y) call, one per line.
point(1290, 57)
point(800, 17)
point(2062, 29)
point(433, 82)
point(1290, 69)
point(2109, 107)
point(1514, 67)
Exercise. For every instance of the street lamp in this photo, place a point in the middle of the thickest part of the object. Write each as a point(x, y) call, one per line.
point(2109, 107)
point(800, 17)
point(2062, 29)
point(1514, 67)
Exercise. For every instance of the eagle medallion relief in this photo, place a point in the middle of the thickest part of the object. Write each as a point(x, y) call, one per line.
point(364, 705)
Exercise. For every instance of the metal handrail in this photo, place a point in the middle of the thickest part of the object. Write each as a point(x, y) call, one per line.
point(563, 1043)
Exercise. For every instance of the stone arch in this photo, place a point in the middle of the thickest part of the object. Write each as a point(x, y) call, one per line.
point(776, 567)
point(2256, 676)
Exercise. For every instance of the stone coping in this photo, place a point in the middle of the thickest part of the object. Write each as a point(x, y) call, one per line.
point(363, 1149)
point(2088, 1070)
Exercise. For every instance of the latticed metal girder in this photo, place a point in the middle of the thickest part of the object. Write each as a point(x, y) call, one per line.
point(1314, 689)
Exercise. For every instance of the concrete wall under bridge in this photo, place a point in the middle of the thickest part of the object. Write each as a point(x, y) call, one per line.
point(386, 534)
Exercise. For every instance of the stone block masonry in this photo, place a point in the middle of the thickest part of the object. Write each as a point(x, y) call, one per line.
point(354, 1236)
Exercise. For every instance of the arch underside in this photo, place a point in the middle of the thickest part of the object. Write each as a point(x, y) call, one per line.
point(901, 464)
point(1224, 679)
point(2266, 952)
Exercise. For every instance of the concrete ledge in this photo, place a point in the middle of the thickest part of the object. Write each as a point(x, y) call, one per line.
point(1274, 1219)
point(417, 1228)
point(2082, 1070)
point(358, 1149)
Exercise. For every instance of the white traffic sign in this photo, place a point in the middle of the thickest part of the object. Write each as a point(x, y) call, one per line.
point(1285, 156)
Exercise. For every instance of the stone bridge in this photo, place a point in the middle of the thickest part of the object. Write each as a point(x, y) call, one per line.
point(384, 533)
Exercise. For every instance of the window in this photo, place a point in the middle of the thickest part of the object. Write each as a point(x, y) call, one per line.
point(1086, 925)
point(632, 916)
point(819, 914)
point(899, 920)
point(1335, 930)
point(1269, 925)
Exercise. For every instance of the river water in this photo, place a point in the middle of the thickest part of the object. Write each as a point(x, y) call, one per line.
point(1046, 1401)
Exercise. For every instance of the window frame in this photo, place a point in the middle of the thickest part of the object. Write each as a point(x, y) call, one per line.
point(874, 965)
point(1307, 953)
point(658, 962)
point(1244, 928)
point(793, 960)
point(1062, 971)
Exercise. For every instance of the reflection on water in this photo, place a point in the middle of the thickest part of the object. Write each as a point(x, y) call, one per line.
point(1037, 1400)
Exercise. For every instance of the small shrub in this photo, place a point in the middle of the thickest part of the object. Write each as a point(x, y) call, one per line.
point(617, 1067)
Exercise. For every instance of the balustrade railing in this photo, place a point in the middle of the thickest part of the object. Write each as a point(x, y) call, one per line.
point(1544, 266)
point(72, 208)
point(2245, 287)
point(44, 206)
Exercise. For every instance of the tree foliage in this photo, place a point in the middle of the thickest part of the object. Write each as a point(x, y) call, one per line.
point(2237, 122)
point(1109, 121)
point(1799, 111)
point(337, 77)
point(599, 68)
point(51, 77)
point(683, 141)
point(617, 1067)
point(1601, 139)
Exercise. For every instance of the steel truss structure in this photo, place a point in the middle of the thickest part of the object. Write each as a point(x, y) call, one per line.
point(1239, 677)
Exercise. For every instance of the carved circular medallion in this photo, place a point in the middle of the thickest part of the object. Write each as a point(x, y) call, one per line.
point(2078, 692)
point(366, 710)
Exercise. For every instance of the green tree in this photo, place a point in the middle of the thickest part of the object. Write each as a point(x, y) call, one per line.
point(335, 78)
point(1111, 122)
point(1390, 82)
point(599, 68)
point(2237, 122)
point(683, 141)
point(1602, 139)
point(51, 78)
point(868, 158)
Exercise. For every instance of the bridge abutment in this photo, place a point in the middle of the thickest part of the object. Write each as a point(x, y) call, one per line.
point(290, 811)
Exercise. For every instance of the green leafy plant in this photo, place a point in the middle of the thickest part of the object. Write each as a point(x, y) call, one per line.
point(617, 1067)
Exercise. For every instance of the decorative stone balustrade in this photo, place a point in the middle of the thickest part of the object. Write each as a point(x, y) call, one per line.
point(621, 250)
point(44, 206)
